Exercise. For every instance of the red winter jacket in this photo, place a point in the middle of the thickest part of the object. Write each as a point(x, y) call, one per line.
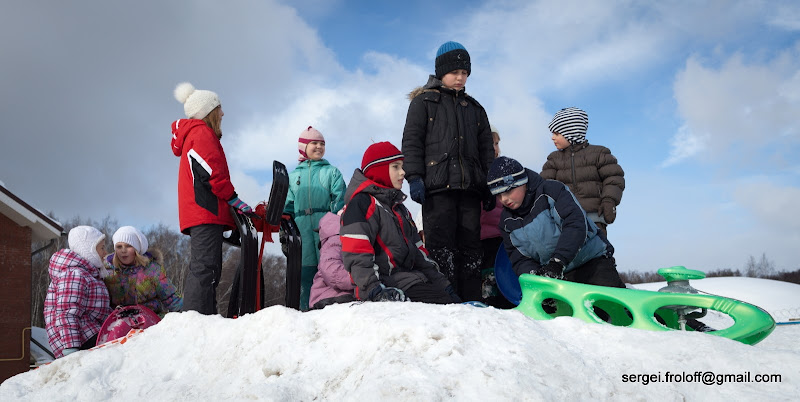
point(204, 184)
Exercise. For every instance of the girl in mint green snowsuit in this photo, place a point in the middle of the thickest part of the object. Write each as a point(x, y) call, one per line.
point(315, 188)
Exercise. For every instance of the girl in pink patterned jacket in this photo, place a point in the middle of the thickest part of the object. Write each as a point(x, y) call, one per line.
point(77, 300)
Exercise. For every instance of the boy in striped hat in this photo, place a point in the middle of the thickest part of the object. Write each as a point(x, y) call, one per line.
point(590, 171)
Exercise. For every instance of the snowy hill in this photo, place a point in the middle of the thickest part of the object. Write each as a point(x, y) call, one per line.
point(412, 351)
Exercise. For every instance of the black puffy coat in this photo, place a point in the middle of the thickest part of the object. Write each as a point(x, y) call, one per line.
point(447, 140)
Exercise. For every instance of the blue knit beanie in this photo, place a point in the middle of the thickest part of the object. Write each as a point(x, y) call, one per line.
point(452, 56)
point(505, 174)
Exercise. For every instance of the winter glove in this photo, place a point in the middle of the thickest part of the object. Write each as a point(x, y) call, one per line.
point(489, 202)
point(608, 210)
point(453, 295)
point(554, 269)
point(69, 350)
point(417, 189)
point(382, 293)
point(284, 239)
point(240, 205)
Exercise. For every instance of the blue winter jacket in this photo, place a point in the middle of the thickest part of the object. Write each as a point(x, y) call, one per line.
point(550, 223)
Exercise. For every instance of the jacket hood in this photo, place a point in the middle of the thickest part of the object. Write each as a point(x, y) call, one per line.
point(180, 130)
point(433, 85)
point(361, 184)
point(65, 259)
point(328, 226)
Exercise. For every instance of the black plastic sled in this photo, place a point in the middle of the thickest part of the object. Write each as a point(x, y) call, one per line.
point(246, 295)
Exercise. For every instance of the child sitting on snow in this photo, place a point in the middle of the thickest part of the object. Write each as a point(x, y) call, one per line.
point(380, 245)
point(137, 276)
point(332, 283)
point(77, 301)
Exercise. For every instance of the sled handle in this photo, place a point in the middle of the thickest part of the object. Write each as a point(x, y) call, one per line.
point(680, 273)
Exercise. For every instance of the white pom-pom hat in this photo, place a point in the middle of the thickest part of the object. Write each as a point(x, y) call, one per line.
point(197, 103)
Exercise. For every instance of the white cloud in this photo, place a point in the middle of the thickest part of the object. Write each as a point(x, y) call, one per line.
point(684, 145)
point(786, 16)
point(738, 106)
point(772, 205)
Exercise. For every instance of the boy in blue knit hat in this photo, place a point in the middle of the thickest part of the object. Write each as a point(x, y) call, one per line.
point(448, 148)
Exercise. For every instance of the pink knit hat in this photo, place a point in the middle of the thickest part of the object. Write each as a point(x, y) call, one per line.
point(308, 135)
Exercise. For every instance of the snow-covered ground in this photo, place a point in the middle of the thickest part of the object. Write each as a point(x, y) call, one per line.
point(412, 351)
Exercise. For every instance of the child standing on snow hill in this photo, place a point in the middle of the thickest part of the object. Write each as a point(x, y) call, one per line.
point(447, 143)
point(205, 193)
point(315, 188)
point(332, 283)
point(590, 171)
point(545, 230)
point(380, 245)
point(136, 275)
point(77, 300)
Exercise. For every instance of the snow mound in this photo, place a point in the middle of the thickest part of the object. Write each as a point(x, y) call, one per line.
point(408, 351)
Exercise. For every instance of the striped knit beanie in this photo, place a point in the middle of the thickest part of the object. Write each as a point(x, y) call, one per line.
point(376, 160)
point(572, 123)
point(452, 56)
point(308, 135)
point(505, 174)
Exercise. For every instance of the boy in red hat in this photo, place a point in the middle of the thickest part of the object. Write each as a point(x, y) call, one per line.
point(380, 245)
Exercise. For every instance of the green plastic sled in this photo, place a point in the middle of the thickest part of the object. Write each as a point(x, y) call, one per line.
point(643, 309)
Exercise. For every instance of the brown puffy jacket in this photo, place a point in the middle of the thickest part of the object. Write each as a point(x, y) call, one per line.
point(591, 173)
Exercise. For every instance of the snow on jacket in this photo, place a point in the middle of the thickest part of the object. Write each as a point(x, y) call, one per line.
point(148, 286)
point(380, 243)
point(447, 140)
point(331, 279)
point(77, 301)
point(550, 223)
point(315, 187)
point(204, 184)
point(590, 172)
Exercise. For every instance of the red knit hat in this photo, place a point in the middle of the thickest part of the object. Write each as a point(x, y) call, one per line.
point(376, 160)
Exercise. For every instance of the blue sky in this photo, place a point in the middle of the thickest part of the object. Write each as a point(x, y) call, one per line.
point(698, 101)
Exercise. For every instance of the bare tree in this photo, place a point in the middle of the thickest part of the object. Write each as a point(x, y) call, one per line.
point(760, 269)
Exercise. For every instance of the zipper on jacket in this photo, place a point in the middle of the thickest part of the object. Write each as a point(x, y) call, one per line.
point(460, 137)
point(310, 208)
point(572, 163)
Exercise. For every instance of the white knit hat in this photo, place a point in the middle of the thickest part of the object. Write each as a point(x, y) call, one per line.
point(197, 103)
point(132, 236)
point(83, 240)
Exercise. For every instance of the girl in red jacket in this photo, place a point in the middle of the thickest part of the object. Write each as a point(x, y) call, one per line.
point(205, 193)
